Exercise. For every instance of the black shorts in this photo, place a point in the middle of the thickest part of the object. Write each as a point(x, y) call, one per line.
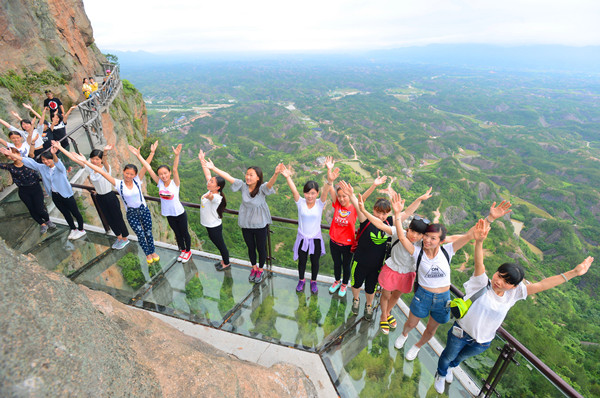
point(364, 274)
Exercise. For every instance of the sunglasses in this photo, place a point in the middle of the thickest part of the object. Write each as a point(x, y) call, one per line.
point(417, 217)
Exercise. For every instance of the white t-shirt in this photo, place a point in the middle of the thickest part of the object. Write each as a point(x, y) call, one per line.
point(309, 220)
point(208, 210)
point(169, 199)
point(39, 141)
point(434, 272)
point(488, 312)
point(24, 150)
point(400, 259)
point(131, 197)
point(101, 184)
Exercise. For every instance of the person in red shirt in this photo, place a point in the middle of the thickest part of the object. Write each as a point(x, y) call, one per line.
point(342, 230)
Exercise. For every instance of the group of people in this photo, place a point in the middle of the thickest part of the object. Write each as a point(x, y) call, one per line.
point(379, 253)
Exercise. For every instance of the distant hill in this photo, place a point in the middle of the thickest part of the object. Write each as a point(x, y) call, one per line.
point(534, 57)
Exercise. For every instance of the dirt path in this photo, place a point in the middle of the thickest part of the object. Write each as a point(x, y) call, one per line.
point(352, 146)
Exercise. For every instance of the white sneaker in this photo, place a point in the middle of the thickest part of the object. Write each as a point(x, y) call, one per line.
point(400, 341)
point(412, 353)
point(78, 234)
point(71, 234)
point(439, 384)
point(449, 376)
point(181, 255)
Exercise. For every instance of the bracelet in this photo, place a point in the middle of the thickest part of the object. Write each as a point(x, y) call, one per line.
point(563, 275)
point(329, 183)
point(488, 220)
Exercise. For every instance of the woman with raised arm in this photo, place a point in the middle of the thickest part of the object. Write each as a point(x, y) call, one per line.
point(106, 197)
point(473, 333)
point(433, 278)
point(341, 231)
point(54, 176)
point(27, 129)
point(130, 189)
point(16, 141)
point(30, 190)
point(170, 205)
point(309, 240)
point(398, 272)
point(370, 250)
point(254, 213)
point(213, 204)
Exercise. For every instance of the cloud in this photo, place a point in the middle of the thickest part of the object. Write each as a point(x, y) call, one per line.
point(269, 25)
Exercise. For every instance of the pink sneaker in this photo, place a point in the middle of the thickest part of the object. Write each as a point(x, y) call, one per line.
point(252, 275)
point(186, 256)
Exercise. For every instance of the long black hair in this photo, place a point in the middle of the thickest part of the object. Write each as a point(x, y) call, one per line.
point(259, 173)
point(221, 184)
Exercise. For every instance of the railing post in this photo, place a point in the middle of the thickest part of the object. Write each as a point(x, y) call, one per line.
point(269, 249)
point(102, 217)
point(504, 359)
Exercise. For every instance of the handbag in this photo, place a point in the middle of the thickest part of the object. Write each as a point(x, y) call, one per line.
point(459, 306)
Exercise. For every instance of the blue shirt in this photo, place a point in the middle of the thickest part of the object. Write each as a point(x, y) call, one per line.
point(55, 179)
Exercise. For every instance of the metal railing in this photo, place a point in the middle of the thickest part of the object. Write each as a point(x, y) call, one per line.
point(506, 356)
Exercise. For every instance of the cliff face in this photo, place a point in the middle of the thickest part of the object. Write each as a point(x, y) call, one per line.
point(49, 35)
point(51, 42)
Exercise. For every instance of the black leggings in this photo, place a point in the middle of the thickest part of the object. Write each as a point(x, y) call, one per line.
point(256, 239)
point(216, 236)
point(179, 225)
point(314, 260)
point(68, 207)
point(111, 209)
point(342, 256)
point(33, 197)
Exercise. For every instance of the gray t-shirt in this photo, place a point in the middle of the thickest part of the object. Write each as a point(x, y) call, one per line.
point(400, 259)
point(254, 212)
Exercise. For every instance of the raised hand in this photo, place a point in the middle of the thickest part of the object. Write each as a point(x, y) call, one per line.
point(56, 144)
point(15, 114)
point(584, 266)
point(501, 210)
point(208, 164)
point(379, 180)
point(26, 106)
point(176, 150)
point(426, 195)
point(78, 157)
point(201, 155)
point(329, 163)
point(108, 148)
point(154, 146)
point(279, 168)
point(286, 172)
point(361, 203)
point(481, 230)
point(397, 203)
point(346, 188)
point(134, 150)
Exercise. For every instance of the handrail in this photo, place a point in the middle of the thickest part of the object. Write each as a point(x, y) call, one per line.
point(89, 108)
point(559, 382)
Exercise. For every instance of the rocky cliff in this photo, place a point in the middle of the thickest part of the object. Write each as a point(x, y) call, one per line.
point(64, 340)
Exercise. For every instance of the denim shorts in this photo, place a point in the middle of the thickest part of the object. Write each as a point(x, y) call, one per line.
point(424, 303)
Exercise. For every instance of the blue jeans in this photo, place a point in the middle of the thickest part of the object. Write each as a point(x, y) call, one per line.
point(457, 350)
point(426, 303)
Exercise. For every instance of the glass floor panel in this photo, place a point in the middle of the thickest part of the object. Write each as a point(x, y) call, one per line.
point(57, 253)
point(124, 273)
point(196, 291)
point(365, 363)
point(275, 312)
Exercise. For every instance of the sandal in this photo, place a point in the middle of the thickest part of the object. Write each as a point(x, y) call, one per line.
point(392, 322)
point(385, 327)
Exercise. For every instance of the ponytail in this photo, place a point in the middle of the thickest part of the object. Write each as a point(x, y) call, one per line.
point(223, 204)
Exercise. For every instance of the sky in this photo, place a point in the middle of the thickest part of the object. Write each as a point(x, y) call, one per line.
point(227, 26)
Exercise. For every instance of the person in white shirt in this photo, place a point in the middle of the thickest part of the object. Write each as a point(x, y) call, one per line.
point(105, 196)
point(473, 334)
point(433, 278)
point(170, 205)
point(309, 240)
point(213, 204)
point(130, 189)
